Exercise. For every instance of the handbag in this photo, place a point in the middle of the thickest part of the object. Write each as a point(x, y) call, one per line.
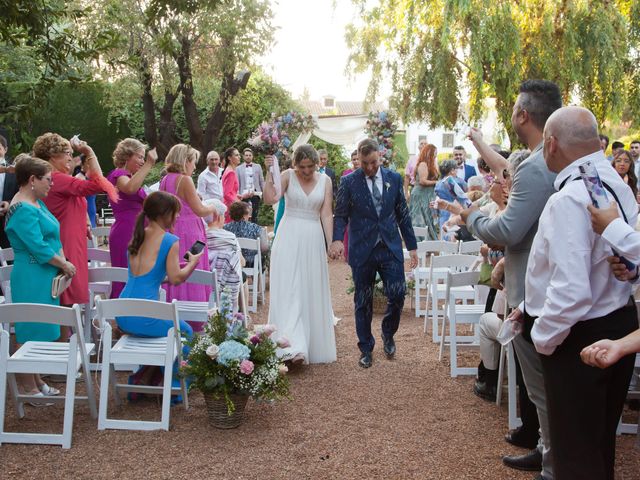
point(59, 284)
point(485, 274)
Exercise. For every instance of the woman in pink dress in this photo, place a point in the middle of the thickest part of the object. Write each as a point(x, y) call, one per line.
point(180, 164)
point(67, 202)
point(355, 164)
point(131, 170)
point(230, 183)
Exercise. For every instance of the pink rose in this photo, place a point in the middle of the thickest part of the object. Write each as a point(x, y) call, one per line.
point(282, 369)
point(183, 363)
point(246, 367)
point(269, 329)
point(283, 342)
point(255, 339)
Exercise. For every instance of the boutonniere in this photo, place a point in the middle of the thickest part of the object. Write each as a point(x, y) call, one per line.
point(387, 184)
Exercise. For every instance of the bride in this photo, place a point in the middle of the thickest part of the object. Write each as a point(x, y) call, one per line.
point(300, 305)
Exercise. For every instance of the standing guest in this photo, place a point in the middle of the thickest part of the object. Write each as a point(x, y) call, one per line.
point(155, 255)
point(464, 172)
point(180, 163)
point(323, 167)
point(66, 200)
point(616, 147)
point(634, 150)
point(410, 169)
point(623, 164)
point(242, 227)
point(8, 187)
point(210, 180)
point(251, 182)
point(128, 176)
point(604, 142)
point(372, 201)
point(355, 164)
point(573, 300)
point(448, 169)
point(515, 229)
point(230, 183)
point(35, 237)
point(224, 252)
point(426, 178)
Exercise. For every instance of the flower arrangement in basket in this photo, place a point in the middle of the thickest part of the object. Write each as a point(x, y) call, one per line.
point(382, 126)
point(228, 361)
point(276, 135)
point(379, 297)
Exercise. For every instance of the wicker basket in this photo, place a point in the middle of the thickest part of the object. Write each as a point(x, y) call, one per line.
point(217, 410)
point(379, 303)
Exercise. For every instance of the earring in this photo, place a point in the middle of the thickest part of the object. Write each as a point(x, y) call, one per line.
point(32, 187)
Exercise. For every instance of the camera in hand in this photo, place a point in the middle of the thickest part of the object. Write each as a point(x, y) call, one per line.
point(195, 249)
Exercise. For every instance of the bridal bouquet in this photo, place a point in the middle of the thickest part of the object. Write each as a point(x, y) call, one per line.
point(382, 126)
point(280, 132)
point(227, 359)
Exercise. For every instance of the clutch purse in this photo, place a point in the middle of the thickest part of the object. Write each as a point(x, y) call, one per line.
point(59, 284)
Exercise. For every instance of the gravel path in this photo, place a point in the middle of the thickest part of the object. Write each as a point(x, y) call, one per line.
point(400, 419)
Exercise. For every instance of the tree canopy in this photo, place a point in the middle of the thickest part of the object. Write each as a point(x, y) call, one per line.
point(439, 52)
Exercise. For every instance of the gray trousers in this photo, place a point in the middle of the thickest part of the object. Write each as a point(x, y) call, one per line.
point(531, 366)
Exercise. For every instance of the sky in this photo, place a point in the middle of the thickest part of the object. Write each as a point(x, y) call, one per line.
point(311, 51)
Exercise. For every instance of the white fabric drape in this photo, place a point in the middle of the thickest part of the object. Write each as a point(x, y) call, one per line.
point(344, 130)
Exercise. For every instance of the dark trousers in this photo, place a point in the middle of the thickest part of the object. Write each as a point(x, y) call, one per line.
point(584, 402)
point(255, 206)
point(528, 411)
point(391, 271)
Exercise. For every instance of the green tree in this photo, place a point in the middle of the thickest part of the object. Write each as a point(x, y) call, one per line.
point(437, 52)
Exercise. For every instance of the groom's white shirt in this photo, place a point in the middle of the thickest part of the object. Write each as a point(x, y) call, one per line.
point(378, 178)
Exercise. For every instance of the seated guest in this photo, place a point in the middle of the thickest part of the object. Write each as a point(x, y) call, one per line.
point(154, 255)
point(477, 183)
point(224, 251)
point(243, 228)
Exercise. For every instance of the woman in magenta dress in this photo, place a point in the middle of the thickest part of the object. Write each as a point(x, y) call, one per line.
point(180, 164)
point(131, 170)
point(355, 164)
point(230, 183)
point(66, 200)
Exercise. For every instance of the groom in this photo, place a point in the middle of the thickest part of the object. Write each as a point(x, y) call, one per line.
point(372, 203)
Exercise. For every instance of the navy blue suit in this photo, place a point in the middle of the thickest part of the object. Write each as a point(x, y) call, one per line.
point(469, 171)
point(375, 246)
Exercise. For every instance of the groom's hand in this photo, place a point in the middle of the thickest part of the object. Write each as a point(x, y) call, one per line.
point(413, 259)
point(336, 249)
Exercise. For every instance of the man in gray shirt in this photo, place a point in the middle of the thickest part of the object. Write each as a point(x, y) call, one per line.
point(515, 229)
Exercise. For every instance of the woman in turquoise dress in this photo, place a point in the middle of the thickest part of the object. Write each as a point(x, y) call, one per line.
point(34, 234)
point(423, 193)
point(154, 256)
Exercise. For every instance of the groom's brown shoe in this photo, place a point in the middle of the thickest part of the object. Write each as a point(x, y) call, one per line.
point(389, 346)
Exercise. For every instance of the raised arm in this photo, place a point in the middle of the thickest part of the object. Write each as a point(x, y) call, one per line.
point(131, 185)
point(496, 162)
point(269, 194)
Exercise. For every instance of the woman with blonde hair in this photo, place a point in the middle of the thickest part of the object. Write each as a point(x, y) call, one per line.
point(131, 169)
point(189, 227)
point(423, 193)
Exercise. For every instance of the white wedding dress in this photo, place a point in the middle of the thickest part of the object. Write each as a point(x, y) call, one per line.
point(300, 305)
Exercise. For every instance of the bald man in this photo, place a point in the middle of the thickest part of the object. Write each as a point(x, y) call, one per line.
point(572, 299)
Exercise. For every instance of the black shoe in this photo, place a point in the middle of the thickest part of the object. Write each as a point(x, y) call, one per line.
point(530, 462)
point(484, 391)
point(389, 346)
point(521, 439)
point(365, 360)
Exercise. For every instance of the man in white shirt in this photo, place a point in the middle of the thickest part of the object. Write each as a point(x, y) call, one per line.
point(209, 181)
point(572, 299)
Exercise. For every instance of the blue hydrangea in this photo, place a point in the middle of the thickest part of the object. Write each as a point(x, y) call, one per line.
point(230, 351)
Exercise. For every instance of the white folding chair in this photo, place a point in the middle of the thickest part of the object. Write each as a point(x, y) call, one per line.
point(100, 232)
point(161, 351)
point(106, 217)
point(255, 273)
point(470, 248)
point(439, 267)
point(6, 256)
point(421, 232)
point(507, 351)
point(191, 311)
point(458, 315)
point(57, 358)
point(100, 280)
point(98, 257)
point(422, 271)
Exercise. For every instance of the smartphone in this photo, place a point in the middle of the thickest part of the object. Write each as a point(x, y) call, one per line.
point(599, 197)
point(196, 248)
